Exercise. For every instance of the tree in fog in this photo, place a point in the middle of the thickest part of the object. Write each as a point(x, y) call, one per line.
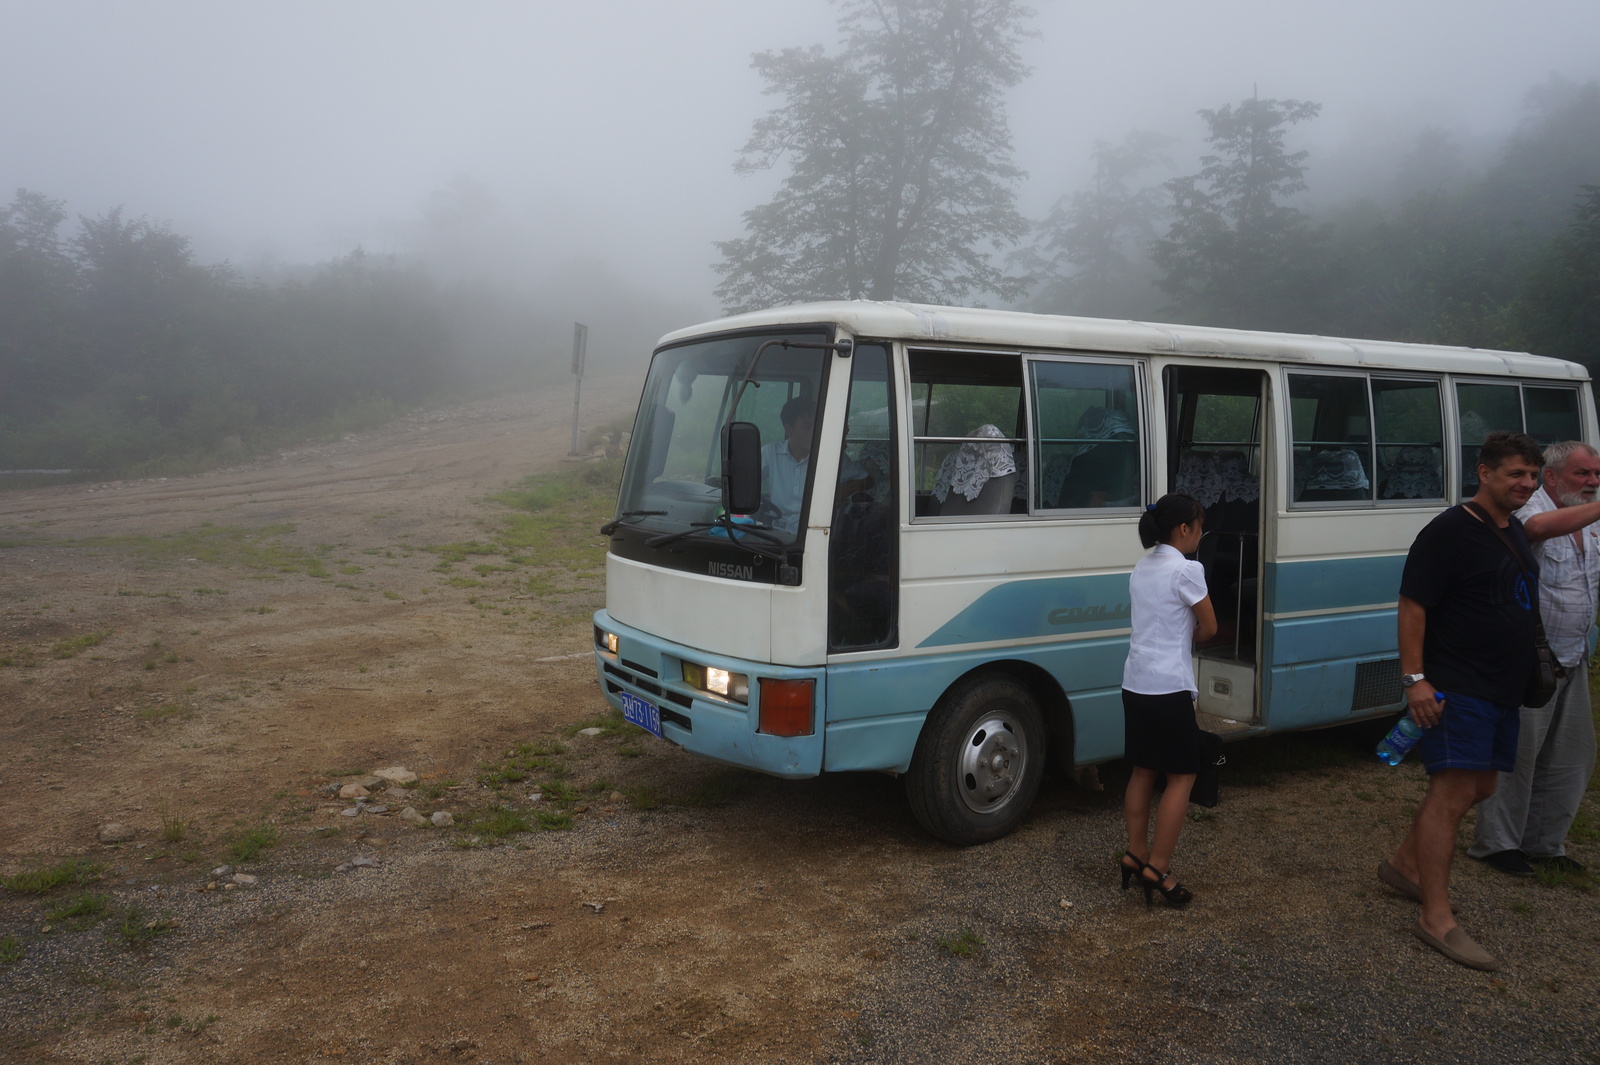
point(1091, 247)
point(1559, 314)
point(900, 178)
point(37, 289)
point(1236, 253)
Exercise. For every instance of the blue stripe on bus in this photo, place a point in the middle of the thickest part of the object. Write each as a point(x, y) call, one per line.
point(1049, 606)
point(876, 702)
point(1369, 634)
point(1334, 583)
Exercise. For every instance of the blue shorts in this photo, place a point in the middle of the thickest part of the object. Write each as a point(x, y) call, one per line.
point(1472, 734)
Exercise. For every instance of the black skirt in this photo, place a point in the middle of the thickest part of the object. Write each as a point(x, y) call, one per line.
point(1159, 732)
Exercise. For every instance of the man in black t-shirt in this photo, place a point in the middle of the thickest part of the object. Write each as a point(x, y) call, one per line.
point(1468, 603)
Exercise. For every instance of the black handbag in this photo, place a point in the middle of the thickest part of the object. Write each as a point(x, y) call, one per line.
point(1204, 792)
point(1547, 672)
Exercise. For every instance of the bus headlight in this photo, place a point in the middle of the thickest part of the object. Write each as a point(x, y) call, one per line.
point(606, 641)
point(729, 685)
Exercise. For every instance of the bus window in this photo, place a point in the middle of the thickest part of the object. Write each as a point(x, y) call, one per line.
point(862, 545)
point(966, 410)
point(1483, 409)
point(1086, 417)
point(1551, 414)
point(1410, 433)
point(1332, 438)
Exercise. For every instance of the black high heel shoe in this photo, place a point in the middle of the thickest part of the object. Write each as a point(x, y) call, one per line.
point(1129, 871)
point(1176, 895)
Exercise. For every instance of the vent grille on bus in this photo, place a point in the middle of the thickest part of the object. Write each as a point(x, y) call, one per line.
point(1377, 684)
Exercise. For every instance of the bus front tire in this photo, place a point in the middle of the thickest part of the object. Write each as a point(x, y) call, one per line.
point(979, 760)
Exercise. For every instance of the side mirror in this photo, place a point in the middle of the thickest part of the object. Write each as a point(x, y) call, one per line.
point(741, 467)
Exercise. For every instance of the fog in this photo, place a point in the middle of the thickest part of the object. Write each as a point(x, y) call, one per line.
point(292, 132)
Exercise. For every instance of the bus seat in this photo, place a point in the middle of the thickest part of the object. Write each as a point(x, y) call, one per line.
point(993, 498)
point(987, 462)
point(1414, 474)
point(1194, 474)
point(1332, 475)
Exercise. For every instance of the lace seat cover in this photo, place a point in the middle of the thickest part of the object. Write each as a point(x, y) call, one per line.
point(968, 468)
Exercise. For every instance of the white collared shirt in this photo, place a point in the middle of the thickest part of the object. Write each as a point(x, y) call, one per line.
point(783, 482)
point(1162, 592)
point(1569, 572)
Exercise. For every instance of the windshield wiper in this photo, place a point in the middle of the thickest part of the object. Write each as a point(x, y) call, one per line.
point(611, 526)
point(736, 533)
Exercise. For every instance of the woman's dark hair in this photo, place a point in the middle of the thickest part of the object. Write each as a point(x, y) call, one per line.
point(1165, 514)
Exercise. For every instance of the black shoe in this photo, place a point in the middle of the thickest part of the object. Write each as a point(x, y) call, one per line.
point(1560, 863)
point(1511, 863)
point(1129, 872)
point(1176, 895)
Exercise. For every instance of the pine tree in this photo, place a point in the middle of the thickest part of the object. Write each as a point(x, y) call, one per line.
point(900, 179)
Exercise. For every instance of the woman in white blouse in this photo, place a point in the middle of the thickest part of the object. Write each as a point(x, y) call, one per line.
point(1171, 610)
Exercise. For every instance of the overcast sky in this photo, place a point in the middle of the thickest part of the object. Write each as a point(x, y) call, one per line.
point(292, 131)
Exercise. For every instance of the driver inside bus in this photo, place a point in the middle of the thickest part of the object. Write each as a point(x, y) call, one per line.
point(784, 465)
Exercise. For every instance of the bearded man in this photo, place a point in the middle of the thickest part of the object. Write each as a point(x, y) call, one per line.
point(1524, 823)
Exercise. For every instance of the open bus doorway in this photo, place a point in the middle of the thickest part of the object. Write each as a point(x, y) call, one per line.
point(1214, 436)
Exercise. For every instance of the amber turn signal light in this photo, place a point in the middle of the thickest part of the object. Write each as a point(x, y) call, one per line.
point(786, 707)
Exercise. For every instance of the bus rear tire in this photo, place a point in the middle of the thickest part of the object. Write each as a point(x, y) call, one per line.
point(979, 760)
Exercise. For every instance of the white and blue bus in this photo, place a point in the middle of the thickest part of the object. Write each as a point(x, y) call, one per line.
point(939, 588)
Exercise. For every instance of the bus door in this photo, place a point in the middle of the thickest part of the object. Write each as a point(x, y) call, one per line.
point(1214, 436)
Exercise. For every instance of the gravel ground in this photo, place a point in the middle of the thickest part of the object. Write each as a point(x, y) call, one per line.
point(709, 917)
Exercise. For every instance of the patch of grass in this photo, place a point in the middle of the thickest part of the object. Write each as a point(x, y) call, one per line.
point(391, 595)
point(166, 711)
point(433, 790)
point(137, 929)
point(556, 791)
point(553, 820)
point(497, 824)
point(211, 591)
point(11, 950)
point(261, 548)
point(1584, 828)
point(964, 944)
point(262, 609)
point(610, 723)
point(630, 750)
point(73, 644)
point(43, 880)
point(173, 825)
point(641, 797)
point(520, 762)
point(253, 841)
point(464, 582)
point(81, 910)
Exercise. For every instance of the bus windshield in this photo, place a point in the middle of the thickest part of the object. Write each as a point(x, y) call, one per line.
point(672, 482)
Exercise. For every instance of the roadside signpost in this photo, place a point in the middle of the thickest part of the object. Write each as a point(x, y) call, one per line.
point(580, 345)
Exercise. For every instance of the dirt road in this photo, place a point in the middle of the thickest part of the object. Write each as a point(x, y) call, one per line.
point(200, 659)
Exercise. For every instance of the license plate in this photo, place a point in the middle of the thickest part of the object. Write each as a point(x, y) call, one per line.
point(644, 714)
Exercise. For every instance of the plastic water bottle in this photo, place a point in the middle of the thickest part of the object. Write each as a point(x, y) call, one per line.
point(1394, 747)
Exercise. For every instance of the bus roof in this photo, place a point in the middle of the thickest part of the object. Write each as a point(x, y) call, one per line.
point(920, 322)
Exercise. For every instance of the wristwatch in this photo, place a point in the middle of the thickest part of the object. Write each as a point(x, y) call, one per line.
point(1408, 679)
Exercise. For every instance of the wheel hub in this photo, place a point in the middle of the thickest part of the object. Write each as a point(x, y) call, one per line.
point(992, 762)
